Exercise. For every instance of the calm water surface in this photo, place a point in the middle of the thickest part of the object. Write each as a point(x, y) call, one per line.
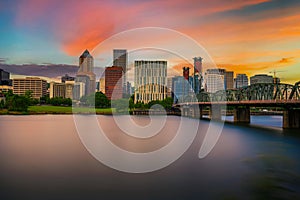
point(42, 157)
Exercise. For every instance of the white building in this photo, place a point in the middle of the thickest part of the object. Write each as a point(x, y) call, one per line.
point(85, 73)
point(214, 80)
point(150, 80)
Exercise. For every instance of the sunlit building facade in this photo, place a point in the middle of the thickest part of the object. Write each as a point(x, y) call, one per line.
point(36, 85)
point(150, 80)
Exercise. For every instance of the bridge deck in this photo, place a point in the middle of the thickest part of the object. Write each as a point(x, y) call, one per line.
point(265, 103)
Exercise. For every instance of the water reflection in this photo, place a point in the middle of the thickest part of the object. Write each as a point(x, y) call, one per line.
point(43, 158)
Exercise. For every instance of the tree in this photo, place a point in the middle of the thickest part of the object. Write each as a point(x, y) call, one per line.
point(17, 103)
point(101, 101)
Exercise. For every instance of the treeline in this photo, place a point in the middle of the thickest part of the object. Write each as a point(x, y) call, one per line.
point(20, 103)
point(99, 100)
point(14, 102)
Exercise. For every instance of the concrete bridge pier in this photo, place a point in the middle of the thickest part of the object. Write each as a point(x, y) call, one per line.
point(200, 112)
point(291, 118)
point(185, 110)
point(242, 114)
point(215, 112)
point(195, 111)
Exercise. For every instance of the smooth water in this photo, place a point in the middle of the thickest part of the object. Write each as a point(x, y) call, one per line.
point(42, 157)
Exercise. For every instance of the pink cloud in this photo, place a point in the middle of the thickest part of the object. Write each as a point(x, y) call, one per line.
point(83, 24)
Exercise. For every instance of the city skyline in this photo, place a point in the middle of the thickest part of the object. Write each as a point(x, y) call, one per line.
point(256, 36)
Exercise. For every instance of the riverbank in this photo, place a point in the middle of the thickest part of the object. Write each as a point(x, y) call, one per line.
point(67, 110)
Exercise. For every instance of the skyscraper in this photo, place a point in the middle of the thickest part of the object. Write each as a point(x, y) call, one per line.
point(113, 82)
point(198, 77)
point(241, 80)
point(120, 60)
point(85, 73)
point(150, 80)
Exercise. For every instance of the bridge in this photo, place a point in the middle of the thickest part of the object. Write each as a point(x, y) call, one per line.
point(284, 96)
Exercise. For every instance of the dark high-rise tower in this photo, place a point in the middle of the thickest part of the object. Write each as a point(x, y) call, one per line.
point(120, 60)
point(186, 73)
point(198, 78)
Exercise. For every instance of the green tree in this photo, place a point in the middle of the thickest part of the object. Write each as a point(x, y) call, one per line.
point(17, 103)
point(101, 101)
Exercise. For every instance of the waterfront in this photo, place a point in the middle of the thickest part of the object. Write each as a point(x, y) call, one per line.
point(42, 158)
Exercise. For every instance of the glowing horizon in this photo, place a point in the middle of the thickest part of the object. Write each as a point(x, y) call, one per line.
point(251, 37)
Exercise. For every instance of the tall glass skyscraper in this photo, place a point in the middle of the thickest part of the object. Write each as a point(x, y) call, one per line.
point(120, 60)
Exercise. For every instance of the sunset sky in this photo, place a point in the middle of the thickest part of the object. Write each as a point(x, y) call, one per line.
point(247, 36)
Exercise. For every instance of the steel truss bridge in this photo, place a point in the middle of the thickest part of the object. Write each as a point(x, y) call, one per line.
point(286, 96)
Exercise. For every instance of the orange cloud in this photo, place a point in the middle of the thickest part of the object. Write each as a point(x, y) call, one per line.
point(83, 24)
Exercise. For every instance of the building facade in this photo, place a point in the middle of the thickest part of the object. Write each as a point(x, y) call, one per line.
point(261, 78)
point(78, 90)
point(229, 80)
point(241, 80)
point(150, 80)
point(214, 80)
point(67, 78)
point(113, 82)
point(102, 85)
point(120, 60)
point(5, 78)
point(86, 74)
point(198, 75)
point(37, 86)
point(64, 90)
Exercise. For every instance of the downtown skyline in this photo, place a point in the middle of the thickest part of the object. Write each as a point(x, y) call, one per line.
point(252, 37)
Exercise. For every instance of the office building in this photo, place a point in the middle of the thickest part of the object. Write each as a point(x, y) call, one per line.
point(78, 90)
point(69, 89)
point(5, 78)
point(64, 90)
point(261, 78)
point(37, 86)
point(5, 88)
point(169, 86)
point(129, 88)
point(150, 80)
point(57, 90)
point(215, 80)
point(198, 76)
point(186, 73)
point(67, 78)
point(229, 80)
point(120, 60)
point(113, 82)
point(102, 85)
point(241, 80)
point(85, 73)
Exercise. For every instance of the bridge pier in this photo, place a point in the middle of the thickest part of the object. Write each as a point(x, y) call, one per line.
point(185, 110)
point(291, 118)
point(215, 112)
point(200, 112)
point(242, 114)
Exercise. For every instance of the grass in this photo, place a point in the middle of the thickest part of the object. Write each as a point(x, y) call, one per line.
point(66, 110)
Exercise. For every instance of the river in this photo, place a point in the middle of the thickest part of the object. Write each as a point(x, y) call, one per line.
point(42, 157)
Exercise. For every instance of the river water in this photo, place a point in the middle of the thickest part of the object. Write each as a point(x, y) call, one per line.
point(42, 157)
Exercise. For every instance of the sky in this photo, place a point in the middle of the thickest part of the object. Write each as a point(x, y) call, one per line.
point(246, 36)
